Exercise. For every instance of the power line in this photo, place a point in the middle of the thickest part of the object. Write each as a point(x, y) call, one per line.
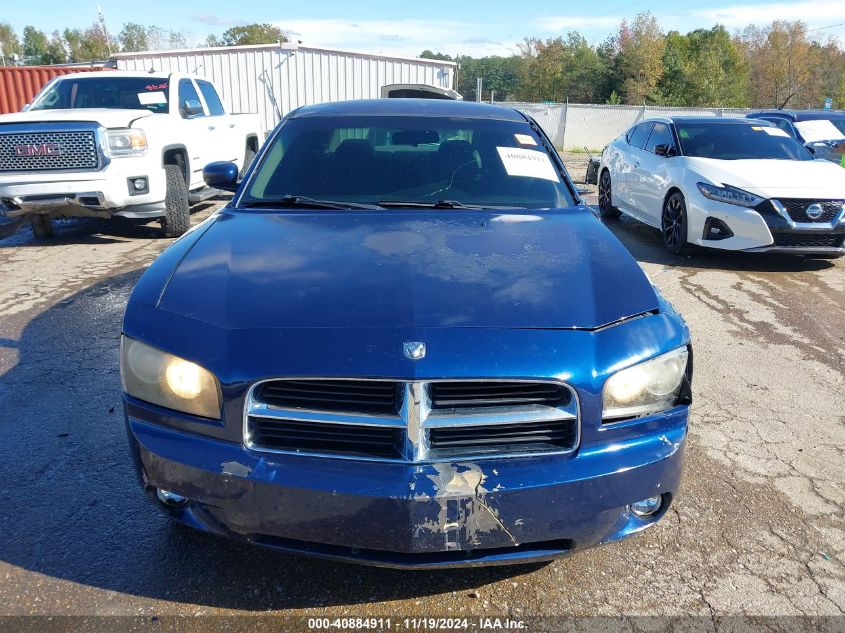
point(822, 28)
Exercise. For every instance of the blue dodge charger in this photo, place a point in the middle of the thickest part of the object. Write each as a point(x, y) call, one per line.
point(405, 342)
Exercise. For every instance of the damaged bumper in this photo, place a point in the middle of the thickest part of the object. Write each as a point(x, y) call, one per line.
point(497, 511)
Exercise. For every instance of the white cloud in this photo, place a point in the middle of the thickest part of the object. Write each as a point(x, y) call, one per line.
point(820, 12)
point(407, 38)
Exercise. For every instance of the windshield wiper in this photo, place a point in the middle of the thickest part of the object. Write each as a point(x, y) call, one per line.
point(303, 202)
point(441, 204)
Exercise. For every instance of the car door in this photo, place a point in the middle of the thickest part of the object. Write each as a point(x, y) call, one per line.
point(626, 183)
point(198, 138)
point(651, 173)
point(222, 126)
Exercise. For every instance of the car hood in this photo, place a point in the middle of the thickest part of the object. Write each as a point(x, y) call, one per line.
point(106, 117)
point(352, 269)
point(775, 178)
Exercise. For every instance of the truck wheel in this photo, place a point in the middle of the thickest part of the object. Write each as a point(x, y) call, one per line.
point(249, 156)
point(42, 226)
point(177, 215)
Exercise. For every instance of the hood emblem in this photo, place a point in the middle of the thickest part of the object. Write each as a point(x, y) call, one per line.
point(413, 350)
point(814, 211)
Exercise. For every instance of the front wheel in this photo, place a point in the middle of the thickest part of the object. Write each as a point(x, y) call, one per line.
point(177, 213)
point(606, 208)
point(42, 226)
point(673, 224)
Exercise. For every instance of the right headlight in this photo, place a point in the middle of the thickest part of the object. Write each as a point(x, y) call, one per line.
point(126, 142)
point(155, 376)
point(730, 195)
point(648, 387)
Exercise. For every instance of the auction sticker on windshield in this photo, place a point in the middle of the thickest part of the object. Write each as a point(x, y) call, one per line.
point(527, 162)
point(152, 98)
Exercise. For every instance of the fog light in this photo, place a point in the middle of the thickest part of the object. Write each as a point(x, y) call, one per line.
point(171, 499)
point(140, 184)
point(647, 507)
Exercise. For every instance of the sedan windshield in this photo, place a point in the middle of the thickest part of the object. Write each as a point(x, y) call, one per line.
point(738, 141)
point(414, 161)
point(817, 130)
point(133, 93)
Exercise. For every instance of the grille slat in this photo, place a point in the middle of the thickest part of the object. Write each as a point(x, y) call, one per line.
point(325, 395)
point(542, 436)
point(48, 151)
point(797, 209)
point(499, 394)
point(323, 437)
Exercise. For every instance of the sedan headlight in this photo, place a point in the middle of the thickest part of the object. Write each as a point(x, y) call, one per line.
point(729, 195)
point(166, 380)
point(648, 387)
point(126, 142)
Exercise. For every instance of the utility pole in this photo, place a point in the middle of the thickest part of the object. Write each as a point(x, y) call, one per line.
point(105, 30)
point(479, 83)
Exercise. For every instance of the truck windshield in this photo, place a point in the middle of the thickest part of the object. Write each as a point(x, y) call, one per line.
point(738, 141)
point(441, 161)
point(133, 93)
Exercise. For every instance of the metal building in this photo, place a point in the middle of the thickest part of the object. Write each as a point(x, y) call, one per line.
point(273, 79)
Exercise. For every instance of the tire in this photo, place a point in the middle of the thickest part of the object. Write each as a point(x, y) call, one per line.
point(673, 224)
point(42, 226)
point(249, 156)
point(177, 213)
point(606, 208)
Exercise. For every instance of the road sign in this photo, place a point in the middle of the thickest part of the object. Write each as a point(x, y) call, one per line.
point(828, 103)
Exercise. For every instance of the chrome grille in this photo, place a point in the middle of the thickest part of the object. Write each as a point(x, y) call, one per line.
point(48, 151)
point(796, 208)
point(420, 421)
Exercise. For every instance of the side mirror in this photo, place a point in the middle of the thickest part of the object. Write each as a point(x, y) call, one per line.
point(191, 108)
point(664, 150)
point(810, 148)
point(221, 175)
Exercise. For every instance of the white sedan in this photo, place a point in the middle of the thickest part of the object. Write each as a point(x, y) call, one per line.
point(734, 184)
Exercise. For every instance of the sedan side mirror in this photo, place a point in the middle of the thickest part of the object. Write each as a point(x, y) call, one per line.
point(221, 175)
point(664, 150)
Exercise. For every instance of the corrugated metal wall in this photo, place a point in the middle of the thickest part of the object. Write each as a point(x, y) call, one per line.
point(273, 80)
point(19, 84)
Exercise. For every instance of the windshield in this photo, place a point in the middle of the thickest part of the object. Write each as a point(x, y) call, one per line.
point(134, 93)
point(821, 129)
point(423, 160)
point(738, 141)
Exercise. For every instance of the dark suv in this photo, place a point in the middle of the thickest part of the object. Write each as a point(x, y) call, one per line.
point(819, 130)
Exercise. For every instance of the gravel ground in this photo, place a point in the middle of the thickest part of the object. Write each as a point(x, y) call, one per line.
point(757, 529)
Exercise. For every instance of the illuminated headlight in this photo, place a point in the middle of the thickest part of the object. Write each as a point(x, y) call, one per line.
point(648, 387)
point(166, 380)
point(126, 142)
point(729, 195)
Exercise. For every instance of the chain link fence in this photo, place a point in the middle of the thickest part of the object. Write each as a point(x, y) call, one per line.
point(575, 126)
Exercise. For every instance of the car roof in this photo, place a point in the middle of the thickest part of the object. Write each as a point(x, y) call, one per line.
point(718, 120)
point(410, 107)
point(803, 115)
point(116, 74)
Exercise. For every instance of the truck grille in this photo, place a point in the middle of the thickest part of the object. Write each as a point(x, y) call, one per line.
point(48, 151)
point(411, 421)
point(797, 209)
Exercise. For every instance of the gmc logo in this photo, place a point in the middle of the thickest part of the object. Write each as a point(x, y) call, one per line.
point(44, 149)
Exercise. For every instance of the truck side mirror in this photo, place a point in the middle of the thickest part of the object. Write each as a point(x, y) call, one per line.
point(191, 108)
point(221, 175)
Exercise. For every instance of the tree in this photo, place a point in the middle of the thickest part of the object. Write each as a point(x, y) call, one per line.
point(90, 45)
point(133, 38)
point(56, 51)
point(34, 47)
point(9, 44)
point(427, 54)
point(251, 34)
point(639, 61)
point(500, 74)
point(703, 68)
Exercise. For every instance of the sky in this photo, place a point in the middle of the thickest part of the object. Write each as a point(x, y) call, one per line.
point(455, 27)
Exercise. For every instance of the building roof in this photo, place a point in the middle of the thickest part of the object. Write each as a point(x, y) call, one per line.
point(410, 107)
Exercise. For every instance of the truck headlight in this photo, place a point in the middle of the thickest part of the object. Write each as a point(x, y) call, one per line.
point(729, 195)
point(166, 380)
point(126, 142)
point(648, 387)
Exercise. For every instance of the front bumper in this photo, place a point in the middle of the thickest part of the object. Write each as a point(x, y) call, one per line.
point(467, 513)
point(84, 194)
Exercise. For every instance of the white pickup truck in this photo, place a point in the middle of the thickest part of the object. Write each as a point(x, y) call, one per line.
point(131, 144)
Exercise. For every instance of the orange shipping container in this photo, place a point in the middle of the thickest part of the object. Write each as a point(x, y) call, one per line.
point(19, 84)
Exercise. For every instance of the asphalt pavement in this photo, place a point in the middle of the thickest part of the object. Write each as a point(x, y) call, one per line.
point(757, 529)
